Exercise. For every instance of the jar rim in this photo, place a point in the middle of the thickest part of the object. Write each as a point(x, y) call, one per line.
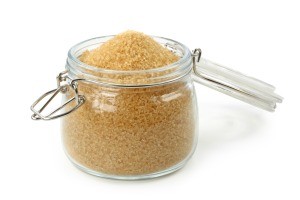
point(71, 55)
point(131, 78)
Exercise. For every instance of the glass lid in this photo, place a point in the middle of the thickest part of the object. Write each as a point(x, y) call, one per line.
point(234, 84)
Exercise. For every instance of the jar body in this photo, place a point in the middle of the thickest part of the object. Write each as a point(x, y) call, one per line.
point(132, 133)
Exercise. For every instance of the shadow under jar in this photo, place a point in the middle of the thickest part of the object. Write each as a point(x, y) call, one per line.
point(140, 124)
point(133, 124)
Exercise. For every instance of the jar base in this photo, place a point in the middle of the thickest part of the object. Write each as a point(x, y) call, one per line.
point(133, 177)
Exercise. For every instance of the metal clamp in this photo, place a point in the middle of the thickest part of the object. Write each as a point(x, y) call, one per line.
point(196, 55)
point(63, 83)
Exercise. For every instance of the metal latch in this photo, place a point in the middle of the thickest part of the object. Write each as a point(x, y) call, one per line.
point(63, 84)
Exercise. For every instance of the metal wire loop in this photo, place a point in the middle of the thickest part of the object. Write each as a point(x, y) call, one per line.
point(62, 86)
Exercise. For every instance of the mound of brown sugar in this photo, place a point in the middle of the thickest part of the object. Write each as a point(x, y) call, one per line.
point(129, 50)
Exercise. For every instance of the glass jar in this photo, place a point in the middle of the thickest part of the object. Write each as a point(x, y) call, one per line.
point(140, 124)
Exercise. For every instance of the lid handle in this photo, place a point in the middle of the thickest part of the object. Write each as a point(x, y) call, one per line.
point(79, 99)
point(234, 84)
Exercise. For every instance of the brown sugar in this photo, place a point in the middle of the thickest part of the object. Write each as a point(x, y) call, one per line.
point(131, 131)
point(130, 50)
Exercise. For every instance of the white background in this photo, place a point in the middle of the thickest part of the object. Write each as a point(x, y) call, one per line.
point(243, 152)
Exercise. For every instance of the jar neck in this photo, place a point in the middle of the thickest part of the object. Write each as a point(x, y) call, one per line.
point(169, 73)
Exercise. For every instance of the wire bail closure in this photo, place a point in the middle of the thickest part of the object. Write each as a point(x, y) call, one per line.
point(63, 83)
point(205, 72)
